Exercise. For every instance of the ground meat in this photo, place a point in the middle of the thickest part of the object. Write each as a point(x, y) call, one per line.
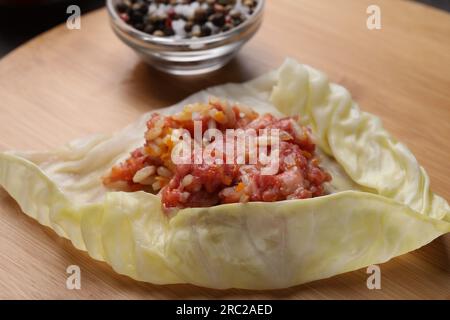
point(297, 176)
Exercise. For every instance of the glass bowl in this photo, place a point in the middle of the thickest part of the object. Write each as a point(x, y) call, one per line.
point(186, 56)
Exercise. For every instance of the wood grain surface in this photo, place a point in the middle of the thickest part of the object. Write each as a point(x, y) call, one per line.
point(69, 83)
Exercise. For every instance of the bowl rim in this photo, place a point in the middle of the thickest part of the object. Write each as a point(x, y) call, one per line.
point(166, 41)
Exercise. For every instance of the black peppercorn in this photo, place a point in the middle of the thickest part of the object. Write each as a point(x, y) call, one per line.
point(188, 26)
point(209, 11)
point(218, 19)
point(200, 15)
point(136, 17)
point(121, 7)
point(205, 31)
point(140, 7)
point(139, 26)
point(168, 31)
point(149, 28)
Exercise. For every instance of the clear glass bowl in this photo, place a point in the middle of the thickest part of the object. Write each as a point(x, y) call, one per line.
point(186, 56)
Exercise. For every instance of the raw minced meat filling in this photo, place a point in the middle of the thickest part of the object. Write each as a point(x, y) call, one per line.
point(236, 173)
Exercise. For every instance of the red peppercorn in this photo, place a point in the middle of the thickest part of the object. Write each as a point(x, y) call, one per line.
point(171, 13)
point(168, 23)
point(124, 16)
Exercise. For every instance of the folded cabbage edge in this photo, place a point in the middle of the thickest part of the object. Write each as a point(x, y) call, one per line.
point(250, 246)
point(356, 139)
point(254, 245)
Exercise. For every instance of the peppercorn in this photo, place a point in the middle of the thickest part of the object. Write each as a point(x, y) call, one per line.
point(188, 26)
point(218, 19)
point(196, 31)
point(209, 11)
point(227, 27)
point(136, 17)
point(140, 7)
point(228, 8)
point(168, 31)
point(205, 31)
point(171, 13)
point(219, 8)
point(139, 26)
point(121, 7)
point(125, 17)
point(200, 15)
point(158, 33)
point(237, 22)
point(149, 28)
point(235, 14)
point(209, 16)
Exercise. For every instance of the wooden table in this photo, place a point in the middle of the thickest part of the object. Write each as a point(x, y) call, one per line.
point(69, 83)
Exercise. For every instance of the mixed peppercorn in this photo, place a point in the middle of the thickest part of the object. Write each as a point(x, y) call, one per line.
point(185, 18)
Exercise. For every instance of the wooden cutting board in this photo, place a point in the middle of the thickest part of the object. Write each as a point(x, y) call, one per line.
point(69, 83)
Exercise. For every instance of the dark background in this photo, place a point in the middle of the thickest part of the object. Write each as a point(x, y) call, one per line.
point(21, 23)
